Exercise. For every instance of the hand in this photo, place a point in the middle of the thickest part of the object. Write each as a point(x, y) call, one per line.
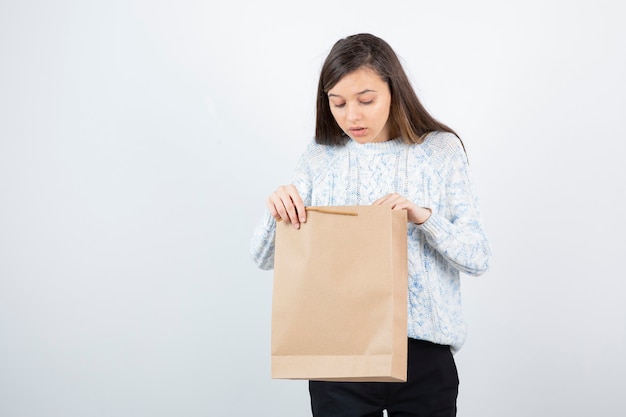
point(415, 213)
point(285, 204)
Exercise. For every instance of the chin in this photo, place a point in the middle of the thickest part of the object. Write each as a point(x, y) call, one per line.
point(362, 140)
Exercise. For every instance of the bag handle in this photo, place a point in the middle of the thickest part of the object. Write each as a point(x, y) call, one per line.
point(330, 211)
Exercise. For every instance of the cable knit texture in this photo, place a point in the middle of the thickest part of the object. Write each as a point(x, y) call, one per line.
point(433, 174)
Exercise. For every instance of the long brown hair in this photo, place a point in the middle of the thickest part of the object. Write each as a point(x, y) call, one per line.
point(407, 117)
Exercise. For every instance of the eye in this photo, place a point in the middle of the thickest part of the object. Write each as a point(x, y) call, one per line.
point(367, 102)
point(339, 105)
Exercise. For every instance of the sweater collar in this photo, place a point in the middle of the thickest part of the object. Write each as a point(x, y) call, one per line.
point(389, 146)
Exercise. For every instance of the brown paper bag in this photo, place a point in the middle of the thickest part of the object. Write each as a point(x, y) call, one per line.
point(339, 307)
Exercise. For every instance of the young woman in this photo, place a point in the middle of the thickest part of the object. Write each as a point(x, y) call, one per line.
point(376, 144)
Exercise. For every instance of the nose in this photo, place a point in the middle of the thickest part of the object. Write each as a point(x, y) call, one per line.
point(353, 112)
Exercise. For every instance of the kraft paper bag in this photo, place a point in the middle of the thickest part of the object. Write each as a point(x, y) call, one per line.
point(339, 306)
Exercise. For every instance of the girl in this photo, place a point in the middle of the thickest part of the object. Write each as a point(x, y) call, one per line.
point(376, 144)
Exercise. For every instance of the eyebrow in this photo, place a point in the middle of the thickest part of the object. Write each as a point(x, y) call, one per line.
point(367, 90)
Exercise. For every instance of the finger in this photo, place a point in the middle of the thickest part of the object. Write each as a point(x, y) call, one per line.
point(401, 203)
point(291, 199)
point(287, 205)
point(271, 206)
point(382, 200)
point(299, 205)
point(277, 206)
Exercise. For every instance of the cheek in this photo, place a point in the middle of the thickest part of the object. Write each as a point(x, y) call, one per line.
point(383, 112)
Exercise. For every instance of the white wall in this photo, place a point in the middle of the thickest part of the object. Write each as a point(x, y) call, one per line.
point(138, 141)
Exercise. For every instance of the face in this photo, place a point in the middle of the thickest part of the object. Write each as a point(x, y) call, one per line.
point(360, 103)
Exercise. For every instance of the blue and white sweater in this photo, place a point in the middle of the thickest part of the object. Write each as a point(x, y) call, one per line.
point(433, 174)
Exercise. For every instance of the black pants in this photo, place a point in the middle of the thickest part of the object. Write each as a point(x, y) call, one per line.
point(430, 391)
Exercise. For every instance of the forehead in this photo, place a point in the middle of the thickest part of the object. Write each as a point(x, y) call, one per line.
point(357, 81)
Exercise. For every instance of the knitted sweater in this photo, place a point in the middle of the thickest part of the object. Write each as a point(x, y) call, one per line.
point(433, 174)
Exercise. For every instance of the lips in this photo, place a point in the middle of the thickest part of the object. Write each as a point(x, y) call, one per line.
point(358, 131)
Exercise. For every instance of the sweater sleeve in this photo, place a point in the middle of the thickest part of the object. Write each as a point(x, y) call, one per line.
point(263, 240)
point(457, 233)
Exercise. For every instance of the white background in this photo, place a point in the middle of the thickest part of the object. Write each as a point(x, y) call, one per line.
point(139, 140)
